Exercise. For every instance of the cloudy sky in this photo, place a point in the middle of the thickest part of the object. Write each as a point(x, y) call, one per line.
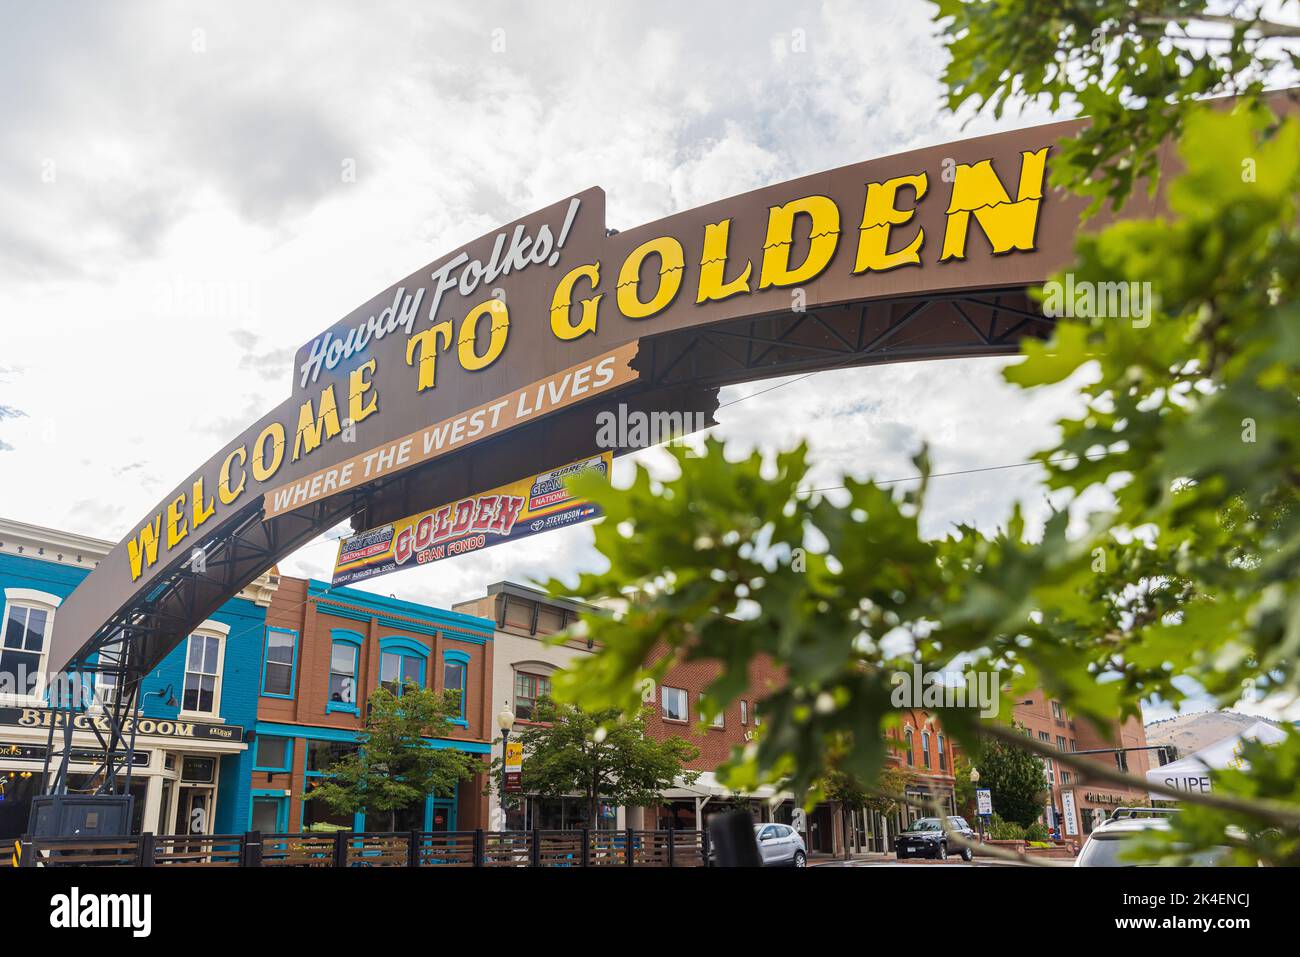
point(177, 219)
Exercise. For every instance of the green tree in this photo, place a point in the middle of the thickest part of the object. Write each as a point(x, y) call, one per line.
point(394, 765)
point(886, 797)
point(963, 787)
point(1016, 781)
point(851, 795)
point(1189, 430)
point(599, 754)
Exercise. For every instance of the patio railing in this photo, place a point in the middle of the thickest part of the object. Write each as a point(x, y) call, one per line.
point(534, 848)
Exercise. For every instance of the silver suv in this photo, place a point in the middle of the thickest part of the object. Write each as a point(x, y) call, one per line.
point(1108, 844)
point(780, 845)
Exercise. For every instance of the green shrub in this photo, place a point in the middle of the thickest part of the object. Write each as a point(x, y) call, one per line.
point(1037, 832)
point(1001, 830)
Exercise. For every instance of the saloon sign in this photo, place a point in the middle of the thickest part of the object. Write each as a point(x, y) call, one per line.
point(408, 400)
point(162, 727)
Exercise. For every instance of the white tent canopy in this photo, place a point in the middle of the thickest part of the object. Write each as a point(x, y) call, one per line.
point(1192, 773)
point(707, 786)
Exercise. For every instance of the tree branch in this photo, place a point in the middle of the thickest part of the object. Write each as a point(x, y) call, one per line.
point(1273, 812)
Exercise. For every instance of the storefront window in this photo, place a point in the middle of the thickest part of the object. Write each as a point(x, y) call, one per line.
point(321, 755)
point(274, 754)
point(319, 816)
point(561, 814)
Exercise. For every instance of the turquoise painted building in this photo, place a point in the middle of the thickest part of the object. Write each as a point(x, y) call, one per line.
point(198, 707)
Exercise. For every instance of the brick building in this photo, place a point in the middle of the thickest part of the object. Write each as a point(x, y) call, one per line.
point(1080, 807)
point(524, 661)
point(324, 651)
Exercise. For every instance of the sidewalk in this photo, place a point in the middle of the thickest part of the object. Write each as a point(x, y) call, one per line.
point(817, 858)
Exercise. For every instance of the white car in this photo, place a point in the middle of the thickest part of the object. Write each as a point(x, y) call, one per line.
point(1106, 846)
point(779, 845)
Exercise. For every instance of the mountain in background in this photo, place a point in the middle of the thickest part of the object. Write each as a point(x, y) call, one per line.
point(1192, 732)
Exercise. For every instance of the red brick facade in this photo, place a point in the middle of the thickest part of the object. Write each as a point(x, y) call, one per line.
point(1048, 721)
point(319, 617)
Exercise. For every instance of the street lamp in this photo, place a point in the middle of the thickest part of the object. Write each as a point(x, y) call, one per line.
point(974, 782)
point(505, 721)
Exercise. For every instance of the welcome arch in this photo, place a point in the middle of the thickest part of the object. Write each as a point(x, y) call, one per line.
point(493, 361)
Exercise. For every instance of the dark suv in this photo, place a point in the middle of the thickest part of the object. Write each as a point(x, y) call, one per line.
point(927, 837)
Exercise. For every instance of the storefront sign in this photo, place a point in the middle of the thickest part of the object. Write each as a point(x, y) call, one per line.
point(36, 752)
point(161, 727)
point(1070, 813)
point(539, 503)
point(1103, 797)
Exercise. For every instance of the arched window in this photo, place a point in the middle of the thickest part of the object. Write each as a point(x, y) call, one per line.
point(455, 674)
point(25, 643)
point(402, 662)
point(345, 650)
point(925, 748)
point(907, 746)
point(943, 759)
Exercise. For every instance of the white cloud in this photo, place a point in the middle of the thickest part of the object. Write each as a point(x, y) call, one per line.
point(198, 227)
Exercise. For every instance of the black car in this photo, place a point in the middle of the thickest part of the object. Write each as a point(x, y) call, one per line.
point(927, 837)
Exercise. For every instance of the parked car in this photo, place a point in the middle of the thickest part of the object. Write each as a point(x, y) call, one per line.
point(927, 837)
point(779, 845)
point(1107, 844)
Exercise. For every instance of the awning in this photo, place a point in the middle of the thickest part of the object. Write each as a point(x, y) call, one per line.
point(707, 786)
point(1192, 773)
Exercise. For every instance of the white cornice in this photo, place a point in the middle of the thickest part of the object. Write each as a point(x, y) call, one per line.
point(82, 551)
point(51, 545)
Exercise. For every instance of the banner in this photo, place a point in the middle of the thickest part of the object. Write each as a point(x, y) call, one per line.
point(1070, 813)
point(535, 504)
point(514, 767)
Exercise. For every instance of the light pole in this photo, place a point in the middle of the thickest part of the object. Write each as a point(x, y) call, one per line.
point(505, 721)
point(974, 781)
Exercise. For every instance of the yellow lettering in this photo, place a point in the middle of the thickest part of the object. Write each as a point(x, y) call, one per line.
point(144, 548)
point(201, 510)
point(976, 190)
point(672, 263)
point(312, 423)
point(879, 216)
point(176, 528)
point(224, 491)
point(261, 470)
point(428, 343)
point(823, 234)
point(499, 326)
point(562, 304)
point(713, 266)
point(358, 386)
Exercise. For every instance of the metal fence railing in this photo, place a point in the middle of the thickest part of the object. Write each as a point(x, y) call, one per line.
point(533, 848)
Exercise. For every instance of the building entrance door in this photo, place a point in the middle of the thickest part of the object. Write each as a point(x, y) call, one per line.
point(194, 810)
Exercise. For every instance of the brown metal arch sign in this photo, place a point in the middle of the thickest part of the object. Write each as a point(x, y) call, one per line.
point(473, 370)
